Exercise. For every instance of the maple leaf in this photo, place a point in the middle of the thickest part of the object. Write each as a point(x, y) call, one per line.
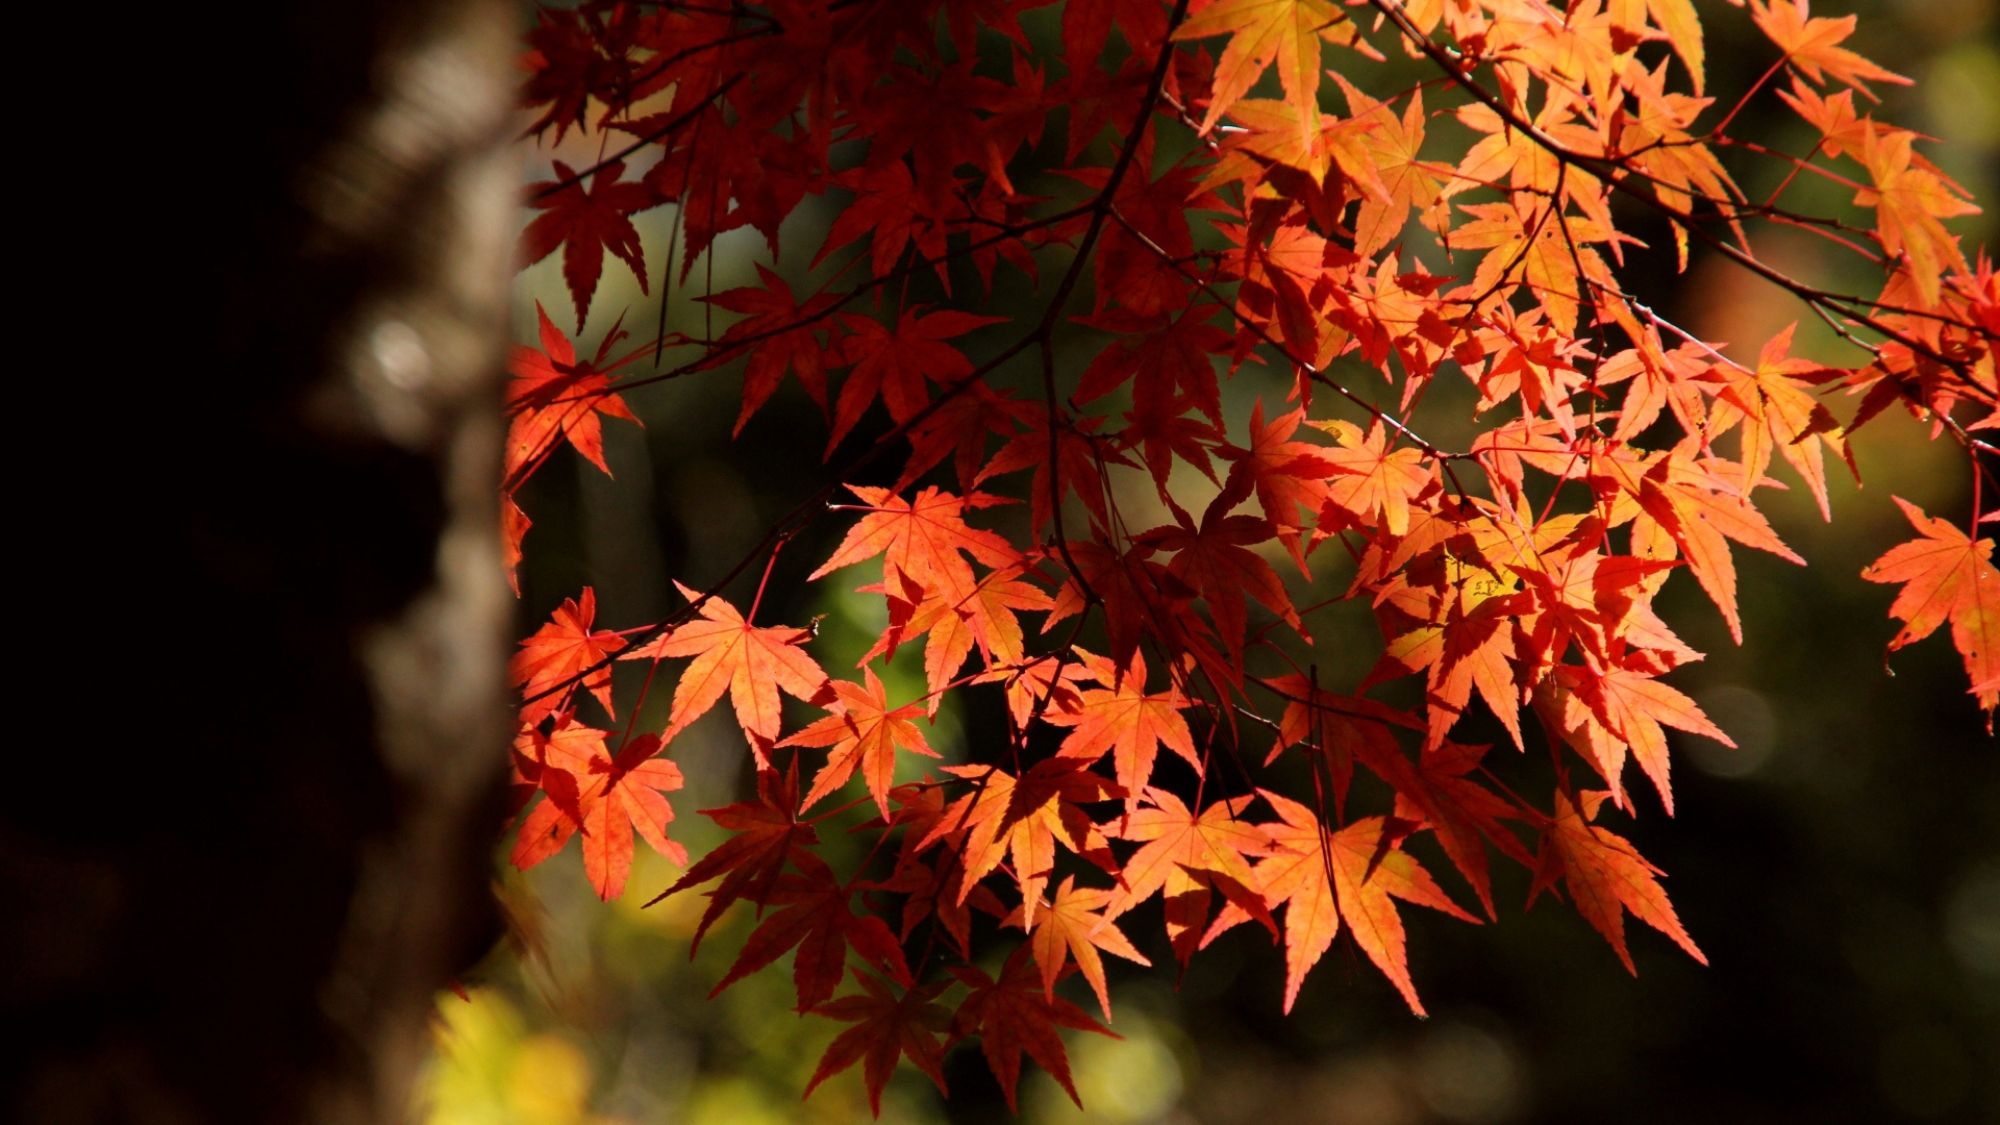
point(1214, 561)
point(567, 68)
point(984, 618)
point(752, 663)
point(958, 428)
point(925, 538)
point(1287, 31)
point(1184, 855)
point(894, 364)
point(1369, 872)
point(864, 733)
point(893, 211)
point(1606, 877)
point(1604, 712)
point(1812, 44)
point(1015, 1014)
point(781, 336)
point(1701, 511)
point(767, 835)
point(554, 398)
point(1342, 729)
point(937, 889)
point(1023, 819)
point(1078, 465)
point(514, 525)
point(1074, 926)
point(1408, 181)
point(1372, 485)
point(1786, 417)
point(886, 1027)
point(816, 916)
point(1463, 814)
point(1123, 720)
point(1163, 431)
point(621, 796)
point(549, 762)
point(1158, 356)
point(1320, 877)
point(1911, 202)
point(612, 798)
point(1285, 475)
point(586, 224)
point(563, 654)
point(1947, 576)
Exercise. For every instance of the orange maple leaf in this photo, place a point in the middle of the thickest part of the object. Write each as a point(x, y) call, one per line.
point(562, 654)
point(1779, 414)
point(863, 733)
point(925, 538)
point(1372, 486)
point(1812, 44)
point(1603, 713)
point(615, 797)
point(1701, 512)
point(752, 663)
point(1074, 926)
point(1605, 876)
point(1123, 720)
point(1262, 31)
point(1022, 820)
point(1184, 856)
point(1911, 202)
point(1947, 576)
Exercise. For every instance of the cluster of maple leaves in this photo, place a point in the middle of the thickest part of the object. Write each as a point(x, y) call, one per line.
point(1184, 214)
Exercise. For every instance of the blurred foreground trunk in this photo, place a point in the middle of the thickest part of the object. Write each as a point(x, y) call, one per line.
point(266, 843)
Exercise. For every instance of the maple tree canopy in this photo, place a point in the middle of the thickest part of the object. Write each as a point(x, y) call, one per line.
point(1376, 219)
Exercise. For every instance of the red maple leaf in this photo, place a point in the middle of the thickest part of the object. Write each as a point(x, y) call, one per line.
point(1016, 1014)
point(896, 364)
point(1285, 475)
point(1214, 559)
point(781, 335)
point(886, 1027)
point(816, 916)
point(586, 224)
point(554, 398)
point(767, 836)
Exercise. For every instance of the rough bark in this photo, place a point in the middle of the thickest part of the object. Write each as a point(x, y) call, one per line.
point(264, 841)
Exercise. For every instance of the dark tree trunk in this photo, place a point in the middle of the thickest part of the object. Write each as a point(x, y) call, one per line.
point(262, 842)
